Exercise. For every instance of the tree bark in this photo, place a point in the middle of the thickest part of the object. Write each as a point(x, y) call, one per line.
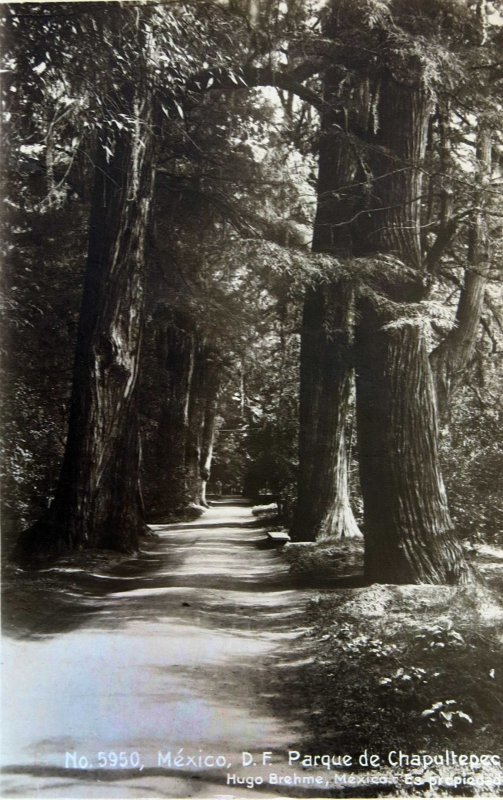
point(203, 390)
point(409, 535)
point(408, 531)
point(97, 501)
point(323, 508)
point(176, 342)
point(326, 370)
point(395, 154)
point(209, 432)
point(450, 360)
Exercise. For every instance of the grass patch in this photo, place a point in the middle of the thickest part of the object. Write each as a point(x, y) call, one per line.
point(321, 562)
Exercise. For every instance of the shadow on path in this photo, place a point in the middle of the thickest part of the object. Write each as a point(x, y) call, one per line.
point(171, 649)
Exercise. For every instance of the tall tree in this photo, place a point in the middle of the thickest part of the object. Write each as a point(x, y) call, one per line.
point(202, 200)
point(452, 357)
point(165, 449)
point(96, 501)
point(204, 389)
point(326, 362)
point(408, 531)
point(409, 534)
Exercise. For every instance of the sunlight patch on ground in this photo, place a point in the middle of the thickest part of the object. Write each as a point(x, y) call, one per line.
point(159, 666)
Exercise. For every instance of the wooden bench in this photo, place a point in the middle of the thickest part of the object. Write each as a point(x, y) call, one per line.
point(278, 537)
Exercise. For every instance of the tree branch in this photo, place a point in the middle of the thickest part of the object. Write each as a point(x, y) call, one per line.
point(224, 79)
point(443, 240)
point(494, 311)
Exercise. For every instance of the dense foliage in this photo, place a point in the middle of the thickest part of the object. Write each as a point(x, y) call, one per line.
point(228, 246)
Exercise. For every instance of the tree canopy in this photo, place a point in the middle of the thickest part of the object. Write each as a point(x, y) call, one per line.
point(280, 221)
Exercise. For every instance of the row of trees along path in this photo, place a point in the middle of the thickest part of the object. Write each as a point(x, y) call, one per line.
point(386, 81)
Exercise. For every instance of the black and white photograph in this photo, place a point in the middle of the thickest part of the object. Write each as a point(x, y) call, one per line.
point(251, 403)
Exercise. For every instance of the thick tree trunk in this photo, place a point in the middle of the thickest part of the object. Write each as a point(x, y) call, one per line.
point(176, 350)
point(409, 535)
point(394, 158)
point(326, 370)
point(408, 531)
point(323, 508)
point(97, 502)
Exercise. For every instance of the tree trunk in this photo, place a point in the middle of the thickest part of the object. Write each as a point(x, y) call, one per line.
point(323, 507)
point(409, 535)
point(451, 358)
point(209, 432)
point(176, 350)
point(97, 501)
point(408, 531)
point(394, 158)
point(203, 389)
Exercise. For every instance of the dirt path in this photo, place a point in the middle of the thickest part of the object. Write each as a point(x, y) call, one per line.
point(174, 650)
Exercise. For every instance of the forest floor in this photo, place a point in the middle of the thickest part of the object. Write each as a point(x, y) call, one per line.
point(156, 675)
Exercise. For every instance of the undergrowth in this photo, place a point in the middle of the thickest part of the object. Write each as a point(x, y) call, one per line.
point(425, 679)
point(387, 668)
